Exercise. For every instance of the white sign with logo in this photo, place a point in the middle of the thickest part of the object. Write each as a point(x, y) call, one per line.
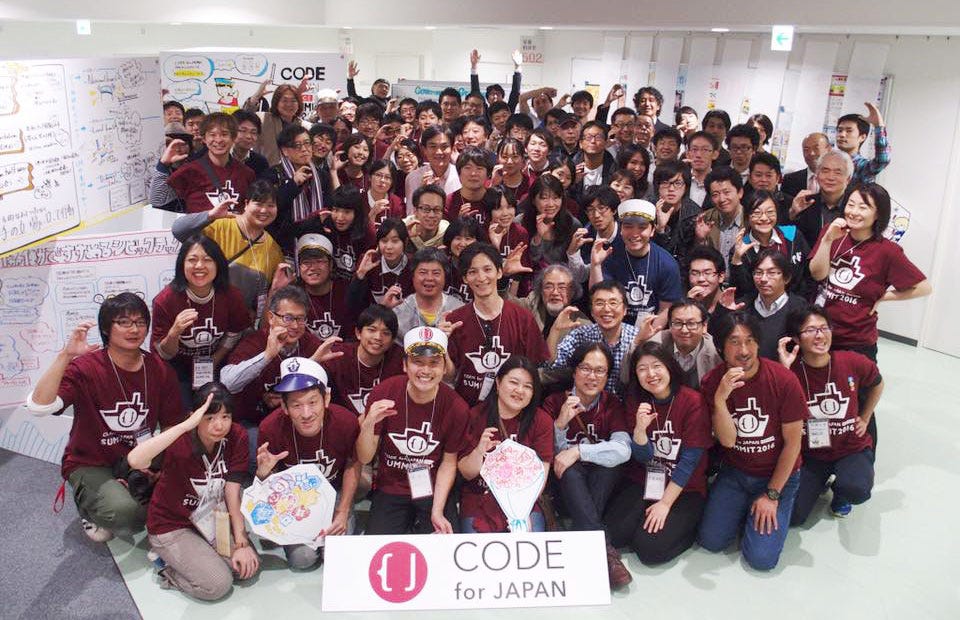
point(465, 571)
point(422, 90)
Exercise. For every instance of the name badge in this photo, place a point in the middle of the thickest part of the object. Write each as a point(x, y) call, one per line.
point(419, 480)
point(656, 483)
point(818, 434)
point(202, 371)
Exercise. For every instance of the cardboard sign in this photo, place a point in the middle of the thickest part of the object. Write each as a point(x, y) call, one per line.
point(465, 571)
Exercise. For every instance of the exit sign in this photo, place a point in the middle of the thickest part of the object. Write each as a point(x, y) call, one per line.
point(781, 39)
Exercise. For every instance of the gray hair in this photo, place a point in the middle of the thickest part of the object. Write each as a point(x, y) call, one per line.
point(835, 152)
point(576, 289)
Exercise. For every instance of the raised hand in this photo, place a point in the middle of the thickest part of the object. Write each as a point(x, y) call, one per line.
point(77, 345)
point(352, 69)
point(578, 240)
point(571, 408)
point(174, 152)
point(647, 329)
point(837, 229)
point(325, 352)
point(379, 411)
point(517, 58)
point(801, 202)
point(513, 263)
point(302, 175)
point(446, 326)
point(186, 318)
point(393, 297)
point(740, 248)
point(787, 356)
point(732, 380)
point(487, 442)
point(644, 417)
point(873, 114)
point(474, 60)
point(368, 261)
point(266, 460)
point(728, 299)
point(565, 320)
point(602, 250)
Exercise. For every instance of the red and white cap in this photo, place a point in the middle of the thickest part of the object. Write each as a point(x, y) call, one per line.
point(426, 341)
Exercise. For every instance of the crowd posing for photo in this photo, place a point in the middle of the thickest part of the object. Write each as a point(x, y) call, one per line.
point(388, 289)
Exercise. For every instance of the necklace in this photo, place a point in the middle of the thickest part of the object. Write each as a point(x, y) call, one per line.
point(853, 247)
point(293, 432)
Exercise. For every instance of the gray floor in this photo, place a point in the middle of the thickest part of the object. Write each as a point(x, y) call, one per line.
point(49, 568)
point(894, 557)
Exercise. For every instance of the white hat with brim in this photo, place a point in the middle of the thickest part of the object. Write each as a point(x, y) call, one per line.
point(426, 341)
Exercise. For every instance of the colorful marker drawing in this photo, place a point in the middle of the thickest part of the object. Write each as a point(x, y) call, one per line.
point(514, 473)
point(291, 507)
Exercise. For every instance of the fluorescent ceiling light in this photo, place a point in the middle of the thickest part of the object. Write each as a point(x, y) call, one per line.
point(719, 30)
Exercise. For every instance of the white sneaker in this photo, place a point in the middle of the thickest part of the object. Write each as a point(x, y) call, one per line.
point(94, 532)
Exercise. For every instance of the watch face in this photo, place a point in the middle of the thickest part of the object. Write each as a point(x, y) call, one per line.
point(773, 494)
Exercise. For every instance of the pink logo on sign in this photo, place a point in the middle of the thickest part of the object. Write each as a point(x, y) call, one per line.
point(398, 572)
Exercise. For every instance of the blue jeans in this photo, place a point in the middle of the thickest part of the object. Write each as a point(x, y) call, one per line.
point(585, 489)
point(853, 484)
point(728, 512)
point(537, 523)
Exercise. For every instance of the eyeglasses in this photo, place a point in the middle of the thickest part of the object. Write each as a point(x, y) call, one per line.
point(613, 304)
point(706, 273)
point(760, 215)
point(596, 137)
point(289, 319)
point(596, 210)
point(382, 176)
point(551, 287)
point(128, 323)
point(301, 145)
point(590, 370)
point(768, 273)
point(815, 331)
point(691, 325)
point(430, 210)
point(676, 183)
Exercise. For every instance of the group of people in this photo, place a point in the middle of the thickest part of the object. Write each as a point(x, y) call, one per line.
point(686, 337)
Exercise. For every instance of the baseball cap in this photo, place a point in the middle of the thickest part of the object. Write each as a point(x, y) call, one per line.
point(300, 373)
point(426, 341)
point(567, 119)
point(637, 209)
point(326, 95)
point(177, 131)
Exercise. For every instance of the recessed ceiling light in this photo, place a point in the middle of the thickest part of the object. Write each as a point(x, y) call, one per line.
point(719, 30)
point(546, 27)
point(430, 27)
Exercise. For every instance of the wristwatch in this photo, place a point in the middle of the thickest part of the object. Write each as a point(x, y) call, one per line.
point(773, 494)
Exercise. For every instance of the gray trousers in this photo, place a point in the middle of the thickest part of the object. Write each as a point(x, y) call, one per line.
point(193, 566)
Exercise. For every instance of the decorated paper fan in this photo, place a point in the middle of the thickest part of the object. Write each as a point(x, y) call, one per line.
point(514, 474)
point(290, 507)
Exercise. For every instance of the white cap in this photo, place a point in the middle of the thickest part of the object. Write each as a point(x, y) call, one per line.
point(326, 95)
point(425, 341)
point(637, 208)
point(314, 241)
point(300, 373)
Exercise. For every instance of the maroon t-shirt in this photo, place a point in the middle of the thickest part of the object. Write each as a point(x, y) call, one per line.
point(187, 470)
point(395, 210)
point(594, 425)
point(684, 423)
point(476, 500)
point(456, 287)
point(347, 251)
point(474, 354)
point(330, 315)
point(834, 399)
point(767, 400)
point(455, 201)
point(379, 283)
point(419, 434)
point(113, 411)
point(224, 314)
point(248, 404)
point(331, 450)
point(860, 274)
point(193, 184)
point(352, 381)
point(521, 191)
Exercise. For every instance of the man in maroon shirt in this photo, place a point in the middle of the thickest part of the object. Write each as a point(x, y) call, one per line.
point(486, 331)
point(415, 426)
point(758, 412)
point(214, 177)
point(309, 429)
point(118, 393)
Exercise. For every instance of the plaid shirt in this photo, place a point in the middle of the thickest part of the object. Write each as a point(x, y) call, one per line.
point(866, 170)
point(591, 333)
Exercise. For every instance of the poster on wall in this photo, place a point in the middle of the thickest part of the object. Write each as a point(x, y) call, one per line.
point(78, 138)
point(423, 90)
point(44, 293)
point(221, 81)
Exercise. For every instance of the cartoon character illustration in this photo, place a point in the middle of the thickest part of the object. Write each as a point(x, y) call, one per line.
point(227, 93)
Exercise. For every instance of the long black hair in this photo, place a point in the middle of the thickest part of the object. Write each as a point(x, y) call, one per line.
point(220, 282)
point(527, 413)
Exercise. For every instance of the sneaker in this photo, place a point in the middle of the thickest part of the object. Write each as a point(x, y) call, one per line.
point(840, 509)
point(620, 577)
point(156, 560)
point(94, 532)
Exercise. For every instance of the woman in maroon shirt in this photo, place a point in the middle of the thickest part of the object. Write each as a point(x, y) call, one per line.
point(509, 412)
point(355, 156)
point(204, 462)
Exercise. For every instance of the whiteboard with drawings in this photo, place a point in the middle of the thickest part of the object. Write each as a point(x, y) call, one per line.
point(77, 140)
point(45, 292)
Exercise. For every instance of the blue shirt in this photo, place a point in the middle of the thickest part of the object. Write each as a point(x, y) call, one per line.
point(591, 333)
point(649, 280)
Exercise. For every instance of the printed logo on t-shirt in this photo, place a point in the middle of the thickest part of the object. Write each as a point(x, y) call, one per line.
point(489, 358)
point(345, 259)
point(214, 475)
point(324, 327)
point(415, 443)
point(201, 336)
point(380, 294)
point(587, 436)
point(664, 444)
point(226, 192)
point(750, 420)
point(462, 293)
point(359, 399)
point(126, 416)
point(846, 272)
point(325, 463)
point(829, 404)
point(637, 293)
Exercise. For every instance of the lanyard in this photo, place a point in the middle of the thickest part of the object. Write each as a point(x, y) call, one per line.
point(143, 362)
point(806, 381)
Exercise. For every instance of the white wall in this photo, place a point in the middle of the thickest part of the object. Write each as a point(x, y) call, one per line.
point(922, 117)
